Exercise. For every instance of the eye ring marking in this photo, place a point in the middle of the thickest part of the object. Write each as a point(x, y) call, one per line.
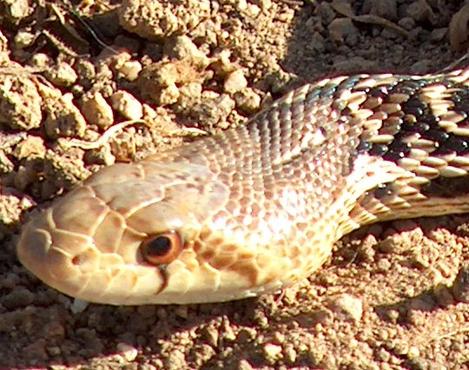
point(162, 249)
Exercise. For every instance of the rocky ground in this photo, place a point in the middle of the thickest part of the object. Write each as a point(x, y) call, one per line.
point(84, 84)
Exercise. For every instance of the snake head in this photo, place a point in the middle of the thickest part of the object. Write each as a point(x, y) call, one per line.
point(134, 234)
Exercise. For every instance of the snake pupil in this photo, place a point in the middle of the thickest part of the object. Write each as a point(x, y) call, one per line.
point(159, 246)
point(163, 248)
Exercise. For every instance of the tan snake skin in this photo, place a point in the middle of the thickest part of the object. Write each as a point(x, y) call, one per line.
point(259, 207)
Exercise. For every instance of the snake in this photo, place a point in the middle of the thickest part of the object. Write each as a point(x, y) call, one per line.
point(257, 208)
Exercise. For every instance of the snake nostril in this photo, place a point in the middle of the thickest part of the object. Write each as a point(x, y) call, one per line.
point(77, 260)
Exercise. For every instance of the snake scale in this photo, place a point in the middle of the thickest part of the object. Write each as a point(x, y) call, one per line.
point(258, 207)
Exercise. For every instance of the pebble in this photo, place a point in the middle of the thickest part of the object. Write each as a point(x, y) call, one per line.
point(21, 106)
point(127, 105)
point(347, 307)
point(63, 118)
point(169, 95)
point(24, 39)
point(182, 47)
point(20, 297)
point(78, 306)
point(461, 284)
point(15, 11)
point(127, 351)
point(326, 13)
point(211, 334)
point(97, 111)
point(383, 8)
point(40, 61)
point(101, 156)
point(272, 352)
point(130, 70)
point(62, 74)
point(407, 23)
point(420, 11)
point(244, 365)
point(214, 111)
point(342, 30)
point(234, 82)
point(31, 147)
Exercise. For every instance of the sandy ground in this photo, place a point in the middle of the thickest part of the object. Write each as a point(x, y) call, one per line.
point(392, 295)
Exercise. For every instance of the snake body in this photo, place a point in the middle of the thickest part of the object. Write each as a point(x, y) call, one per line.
point(258, 207)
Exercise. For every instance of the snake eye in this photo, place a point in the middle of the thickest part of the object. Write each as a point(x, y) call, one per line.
point(162, 249)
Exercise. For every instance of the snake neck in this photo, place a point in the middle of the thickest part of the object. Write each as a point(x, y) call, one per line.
point(339, 154)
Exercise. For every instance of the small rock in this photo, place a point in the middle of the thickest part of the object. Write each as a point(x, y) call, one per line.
point(31, 147)
point(63, 118)
point(383, 8)
point(78, 306)
point(24, 39)
point(265, 4)
point(6, 165)
point(347, 307)
point(127, 351)
point(97, 110)
point(159, 82)
point(36, 350)
point(438, 34)
point(127, 105)
point(86, 71)
point(420, 11)
point(326, 13)
point(290, 353)
point(252, 10)
point(169, 95)
point(15, 11)
point(130, 70)
point(213, 112)
point(182, 47)
point(247, 100)
point(20, 297)
point(407, 23)
point(62, 74)
point(101, 156)
point(272, 352)
point(244, 365)
point(40, 61)
point(20, 103)
point(222, 64)
point(211, 334)
point(53, 350)
point(234, 82)
point(421, 66)
point(189, 92)
point(175, 360)
point(317, 42)
point(342, 30)
point(461, 284)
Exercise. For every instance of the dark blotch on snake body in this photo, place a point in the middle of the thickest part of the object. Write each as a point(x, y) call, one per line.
point(446, 187)
point(461, 101)
point(454, 144)
point(383, 190)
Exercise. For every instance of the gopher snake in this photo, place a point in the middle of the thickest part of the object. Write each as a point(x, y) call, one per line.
point(259, 207)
